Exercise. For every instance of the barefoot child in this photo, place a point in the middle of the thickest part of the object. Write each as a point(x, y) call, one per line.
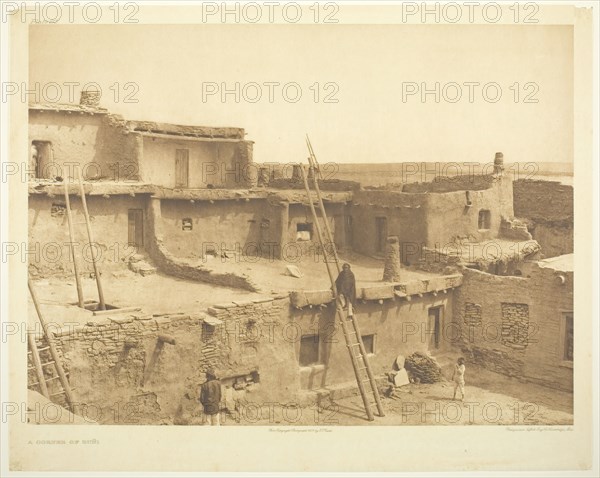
point(459, 378)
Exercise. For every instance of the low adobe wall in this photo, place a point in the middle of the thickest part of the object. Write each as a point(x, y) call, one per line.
point(183, 268)
point(547, 206)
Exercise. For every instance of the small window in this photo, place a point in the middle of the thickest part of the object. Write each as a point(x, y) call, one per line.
point(309, 350)
point(369, 343)
point(485, 219)
point(58, 210)
point(187, 224)
point(568, 338)
point(304, 231)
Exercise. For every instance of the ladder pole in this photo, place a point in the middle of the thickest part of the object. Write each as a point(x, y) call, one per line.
point(318, 228)
point(57, 364)
point(39, 371)
point(101, 304)
point(354, 361)
point(325, 220)
point(72, 246)
point(363, 352)
point(338, 305)
point(313, 156)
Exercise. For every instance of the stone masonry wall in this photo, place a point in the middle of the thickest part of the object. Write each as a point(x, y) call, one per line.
point(515, 325)
point(118, 376)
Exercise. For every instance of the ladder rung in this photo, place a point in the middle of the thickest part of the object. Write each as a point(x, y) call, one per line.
point(61, 392)
point(353, 345)
point(48, 363)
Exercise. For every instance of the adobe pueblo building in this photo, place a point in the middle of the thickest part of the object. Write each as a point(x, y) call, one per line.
point(209, 259)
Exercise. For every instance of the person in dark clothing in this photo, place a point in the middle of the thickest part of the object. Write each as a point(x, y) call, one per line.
point(346, 288)
point(210, 398)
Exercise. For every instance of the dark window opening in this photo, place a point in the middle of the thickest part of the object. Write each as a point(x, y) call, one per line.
point(369, 343)
point(187, 224)
point(58, 210)
point(309, 350)
point(568, 344)
point(304, 231)
point(485, 219)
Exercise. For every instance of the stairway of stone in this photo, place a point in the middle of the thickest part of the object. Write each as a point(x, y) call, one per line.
point(141, 264)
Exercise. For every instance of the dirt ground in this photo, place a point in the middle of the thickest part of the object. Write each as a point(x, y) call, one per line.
point(491, 399)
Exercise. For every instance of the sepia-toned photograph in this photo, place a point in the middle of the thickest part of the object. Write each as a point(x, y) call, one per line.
point(289, 218)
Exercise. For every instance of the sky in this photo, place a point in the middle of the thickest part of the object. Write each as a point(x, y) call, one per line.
point(360, 85)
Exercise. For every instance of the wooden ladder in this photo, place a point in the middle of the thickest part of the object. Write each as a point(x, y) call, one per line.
point(352, 335)
point(43, 358)
point(81, 301)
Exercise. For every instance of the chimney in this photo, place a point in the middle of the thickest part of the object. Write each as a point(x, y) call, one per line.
point(499, 163)
point(391, 270)
point(90, 98)
point(263, 176)
point(297, 173)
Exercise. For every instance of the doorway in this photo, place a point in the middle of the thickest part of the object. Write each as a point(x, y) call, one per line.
point(41, 160)
point(381, 231)
point(182, 168)
point(136, 227)
point(435, 326)
point(349, 242)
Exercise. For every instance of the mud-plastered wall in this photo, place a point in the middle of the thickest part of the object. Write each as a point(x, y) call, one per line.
point(48, 248)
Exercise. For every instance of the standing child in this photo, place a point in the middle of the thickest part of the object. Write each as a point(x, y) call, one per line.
point(459, 378)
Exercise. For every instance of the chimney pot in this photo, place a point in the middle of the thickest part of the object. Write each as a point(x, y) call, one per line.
point(90, 98)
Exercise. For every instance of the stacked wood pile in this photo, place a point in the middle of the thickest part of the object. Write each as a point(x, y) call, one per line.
point(422, 368)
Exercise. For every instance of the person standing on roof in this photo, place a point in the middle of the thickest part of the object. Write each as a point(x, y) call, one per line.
point(346, 288)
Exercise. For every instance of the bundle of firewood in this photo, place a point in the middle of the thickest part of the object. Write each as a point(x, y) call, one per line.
point(422, 368)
